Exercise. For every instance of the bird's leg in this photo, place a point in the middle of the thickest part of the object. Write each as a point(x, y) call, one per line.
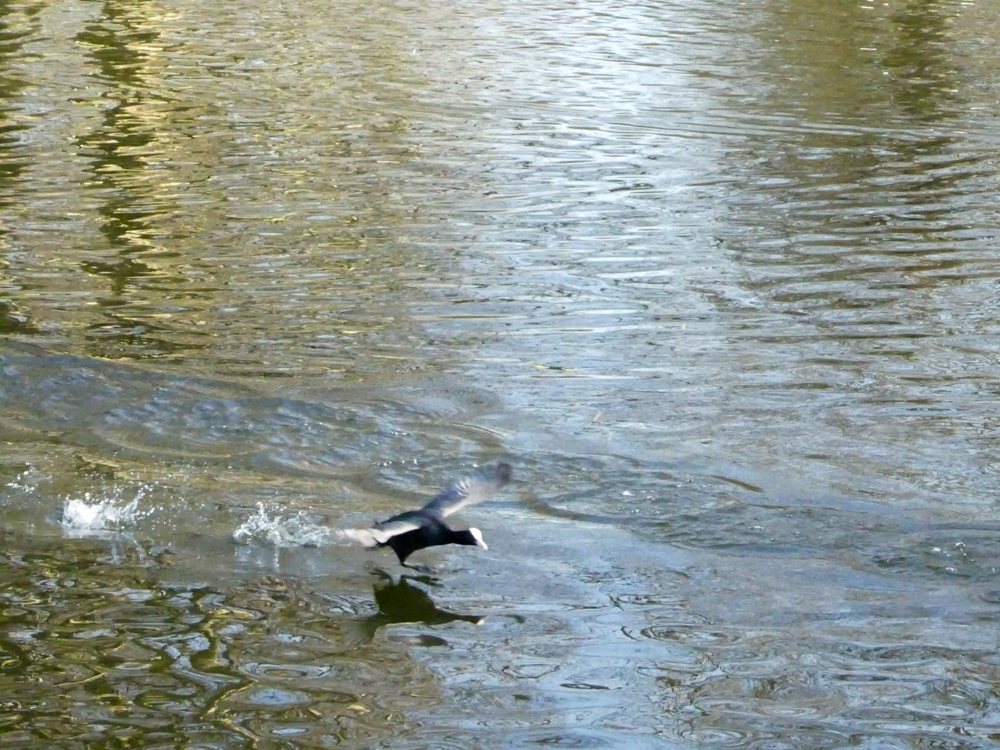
point(419, 568)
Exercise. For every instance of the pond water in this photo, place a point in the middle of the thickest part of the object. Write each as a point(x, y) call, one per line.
point(719, 279)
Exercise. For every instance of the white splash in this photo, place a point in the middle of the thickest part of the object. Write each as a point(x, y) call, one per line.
point(92, 515)
point(299, 530)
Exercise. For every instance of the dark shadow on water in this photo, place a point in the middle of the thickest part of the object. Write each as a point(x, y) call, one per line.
point(402, 602)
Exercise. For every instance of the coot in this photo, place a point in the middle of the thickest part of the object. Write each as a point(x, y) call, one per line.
point(415, 529)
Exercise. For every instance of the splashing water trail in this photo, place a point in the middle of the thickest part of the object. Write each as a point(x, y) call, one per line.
point(92, 515)
point(299, 530)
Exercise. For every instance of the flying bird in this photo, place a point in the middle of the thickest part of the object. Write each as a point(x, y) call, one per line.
point(416, 529)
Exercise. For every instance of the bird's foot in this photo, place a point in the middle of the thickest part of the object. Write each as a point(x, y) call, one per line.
point(427, 570)
point(419, 568)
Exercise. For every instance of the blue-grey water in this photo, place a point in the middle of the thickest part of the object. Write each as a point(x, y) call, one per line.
point(719, 279)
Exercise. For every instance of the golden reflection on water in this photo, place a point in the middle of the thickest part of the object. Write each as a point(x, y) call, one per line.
point(95, 649)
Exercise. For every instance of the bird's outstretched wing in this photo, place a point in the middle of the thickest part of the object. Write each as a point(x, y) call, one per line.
point(380, 533)
point(472, 489)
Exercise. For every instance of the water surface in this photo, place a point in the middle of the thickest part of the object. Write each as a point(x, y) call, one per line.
point(719, 280)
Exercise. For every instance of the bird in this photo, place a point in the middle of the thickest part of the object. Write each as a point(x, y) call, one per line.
point(414, 530)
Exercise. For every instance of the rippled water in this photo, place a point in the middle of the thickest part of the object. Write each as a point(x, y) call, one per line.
point(718, 279)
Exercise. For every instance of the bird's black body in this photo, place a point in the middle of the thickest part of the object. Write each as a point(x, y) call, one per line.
point(431, 532)
point(416, 529)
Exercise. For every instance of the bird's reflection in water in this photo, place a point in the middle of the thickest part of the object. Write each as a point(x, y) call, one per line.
point(401, 602)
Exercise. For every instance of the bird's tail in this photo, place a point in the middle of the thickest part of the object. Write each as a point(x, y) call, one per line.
point(364, 537)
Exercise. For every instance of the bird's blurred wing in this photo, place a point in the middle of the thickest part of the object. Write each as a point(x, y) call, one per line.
point(378, 534)
point(471, 489)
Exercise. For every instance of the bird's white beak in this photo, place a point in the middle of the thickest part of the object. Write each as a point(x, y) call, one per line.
point(478, 536)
